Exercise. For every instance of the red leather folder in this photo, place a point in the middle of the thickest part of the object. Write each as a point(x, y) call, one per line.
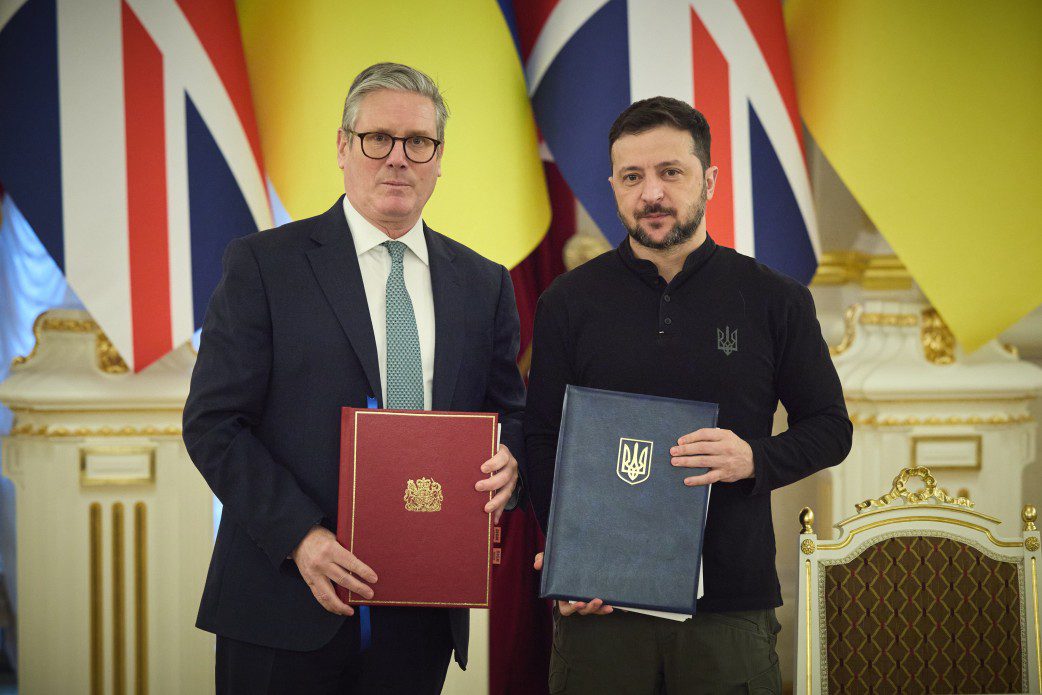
point(408, 508)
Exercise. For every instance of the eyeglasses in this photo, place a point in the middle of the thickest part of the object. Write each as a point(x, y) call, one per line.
point(419, 149)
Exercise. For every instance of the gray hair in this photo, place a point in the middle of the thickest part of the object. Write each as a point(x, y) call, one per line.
point(398, 77)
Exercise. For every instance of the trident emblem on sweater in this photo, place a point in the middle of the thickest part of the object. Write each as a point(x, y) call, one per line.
point(727, 340)
point(634, 464)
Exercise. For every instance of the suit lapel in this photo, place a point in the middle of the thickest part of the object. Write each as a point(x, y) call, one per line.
point(449, 319)
point(335, 264)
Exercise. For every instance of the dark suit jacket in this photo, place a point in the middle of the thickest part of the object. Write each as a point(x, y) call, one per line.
point(287, 341)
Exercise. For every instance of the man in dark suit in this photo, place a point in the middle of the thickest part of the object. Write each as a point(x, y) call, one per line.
point(362, 302)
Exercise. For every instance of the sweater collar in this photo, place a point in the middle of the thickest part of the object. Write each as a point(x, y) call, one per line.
point(648, 272)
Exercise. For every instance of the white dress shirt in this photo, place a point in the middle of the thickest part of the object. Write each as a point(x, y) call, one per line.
point(375, 263)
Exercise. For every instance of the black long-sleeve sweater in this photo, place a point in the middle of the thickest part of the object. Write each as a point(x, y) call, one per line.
point(725, 330)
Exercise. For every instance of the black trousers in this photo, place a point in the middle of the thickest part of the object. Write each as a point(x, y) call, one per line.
point(409, 653)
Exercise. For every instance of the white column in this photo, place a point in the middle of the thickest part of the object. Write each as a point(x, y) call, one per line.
point(114, 523)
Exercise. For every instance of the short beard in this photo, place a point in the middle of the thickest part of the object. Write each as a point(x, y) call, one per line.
point(681, 232)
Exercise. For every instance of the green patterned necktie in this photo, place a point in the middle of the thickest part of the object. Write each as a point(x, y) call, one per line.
point(404, 366)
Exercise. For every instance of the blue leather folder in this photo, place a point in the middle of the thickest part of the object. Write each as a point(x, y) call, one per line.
point(623, 526)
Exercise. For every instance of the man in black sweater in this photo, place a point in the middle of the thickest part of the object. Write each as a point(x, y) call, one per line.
point(671, 313)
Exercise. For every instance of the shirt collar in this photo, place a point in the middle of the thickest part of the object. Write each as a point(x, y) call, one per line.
point(367, 237)
point(647, 270)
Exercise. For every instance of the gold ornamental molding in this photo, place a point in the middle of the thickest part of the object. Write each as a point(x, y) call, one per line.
point(875, 421)
point(840, 268)
point(106, 356)
point(900, 490)
point(937, 339)
point(889, 320)
point(583, 247)
point(119, 673)
point(808, 627)
point(1038, 638)
point(97, 649)
point(884, 272)
point(946, 399)
point(140, 599)
point(975, 442)
point(119, 600)
point(144, 473)
point(849, 330)
point(30, 430)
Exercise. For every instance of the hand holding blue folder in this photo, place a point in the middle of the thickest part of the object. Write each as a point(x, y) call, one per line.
point(623, 525)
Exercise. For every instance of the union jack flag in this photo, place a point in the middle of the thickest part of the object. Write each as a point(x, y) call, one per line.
point(128, 141)
point(587, 60)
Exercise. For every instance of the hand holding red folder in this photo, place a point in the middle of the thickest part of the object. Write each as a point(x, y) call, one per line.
point(410, 508)
point(324, 563)
point(503, 470)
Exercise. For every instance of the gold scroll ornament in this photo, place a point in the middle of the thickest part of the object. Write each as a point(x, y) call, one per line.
point(900, 490)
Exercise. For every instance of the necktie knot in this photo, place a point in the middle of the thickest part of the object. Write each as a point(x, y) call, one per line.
point(396, 249)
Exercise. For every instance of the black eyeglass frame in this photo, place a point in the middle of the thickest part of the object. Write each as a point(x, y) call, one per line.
point(395, 141)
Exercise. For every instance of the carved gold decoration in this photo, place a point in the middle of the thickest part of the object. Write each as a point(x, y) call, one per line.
point(140, 599)
point(807, 520)
point(118, 603)
point(875, 421)
point(1031, 544)
point(942, 399)
point(900, 490)
point(886, 273)
point(808, 546)
point(849, 330)
point(840, 267)
point(1011, 349)
point(1029, 515)
point(423, 495)
point(28, 430)
point(583, 247)
point(97, 648)
point(889, 320)
point(937, 339)
point(963, 492)
point(51, 323)
point(107, 357)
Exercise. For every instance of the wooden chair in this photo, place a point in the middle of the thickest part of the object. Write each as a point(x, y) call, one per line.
point(917, 594)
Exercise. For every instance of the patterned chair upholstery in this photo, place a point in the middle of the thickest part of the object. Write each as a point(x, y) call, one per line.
point(918, 595)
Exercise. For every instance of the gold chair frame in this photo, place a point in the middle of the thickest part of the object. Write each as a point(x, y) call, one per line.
point(929, 511)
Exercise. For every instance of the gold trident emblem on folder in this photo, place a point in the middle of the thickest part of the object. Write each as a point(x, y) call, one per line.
point(634, 463)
